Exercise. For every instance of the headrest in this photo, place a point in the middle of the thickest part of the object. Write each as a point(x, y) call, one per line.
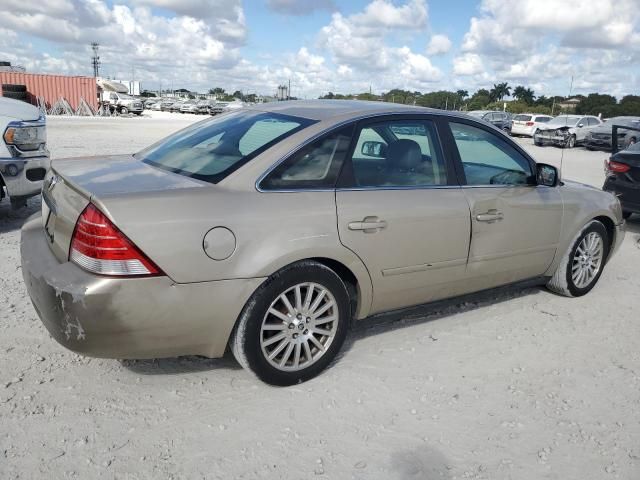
point(404, 154)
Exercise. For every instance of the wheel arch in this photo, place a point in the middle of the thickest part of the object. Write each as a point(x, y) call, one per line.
point(610, 226)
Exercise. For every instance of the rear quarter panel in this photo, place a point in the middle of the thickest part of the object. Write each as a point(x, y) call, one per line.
point(272, 230)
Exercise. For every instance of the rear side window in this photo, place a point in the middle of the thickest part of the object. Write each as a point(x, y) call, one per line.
point(316, 165)
point(397, 153)
point(488, 159)
point(212, 149)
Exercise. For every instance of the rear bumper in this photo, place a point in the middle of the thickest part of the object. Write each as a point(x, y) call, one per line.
point(629, 196)
point(519, 130)
point(128, 318)
point(598, 144)
point(23, 176)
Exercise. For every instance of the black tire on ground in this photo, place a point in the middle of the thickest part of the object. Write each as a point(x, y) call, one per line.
point(124, 110)
point(8, 87)
point(245, 340)
point(571, 142)
point(562, 280)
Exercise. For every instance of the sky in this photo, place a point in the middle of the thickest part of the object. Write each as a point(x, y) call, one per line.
point(331, 45)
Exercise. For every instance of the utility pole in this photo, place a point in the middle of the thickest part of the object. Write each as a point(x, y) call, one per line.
point(95, 60)
point(289, 91)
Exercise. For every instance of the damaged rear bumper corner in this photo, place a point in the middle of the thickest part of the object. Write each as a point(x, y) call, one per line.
point(125, 317)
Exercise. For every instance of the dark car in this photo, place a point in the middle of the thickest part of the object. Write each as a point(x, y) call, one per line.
point(623, 177)
point(501, 120)
point(600, 137)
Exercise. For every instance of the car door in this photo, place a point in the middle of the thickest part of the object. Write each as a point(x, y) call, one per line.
point(401, 211)
point(582, 128)
point(515, 223)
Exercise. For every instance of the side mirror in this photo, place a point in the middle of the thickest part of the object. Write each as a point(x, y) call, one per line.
point(374, 149)
point(546, 175)
point(580, 125)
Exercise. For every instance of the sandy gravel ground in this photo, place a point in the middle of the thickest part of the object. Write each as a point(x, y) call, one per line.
point(513, 384)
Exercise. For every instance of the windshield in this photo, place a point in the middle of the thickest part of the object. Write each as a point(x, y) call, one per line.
point(212, 149)
point(564, 120)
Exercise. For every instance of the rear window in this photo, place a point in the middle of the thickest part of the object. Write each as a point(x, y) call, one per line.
point(522, 118)
point(213, 149)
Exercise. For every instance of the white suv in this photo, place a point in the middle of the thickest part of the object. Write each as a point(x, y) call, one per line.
point(526, 123)
point(24, 158)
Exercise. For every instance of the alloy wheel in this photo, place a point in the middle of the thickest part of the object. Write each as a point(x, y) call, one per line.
point(587, 260)
point(299, 326)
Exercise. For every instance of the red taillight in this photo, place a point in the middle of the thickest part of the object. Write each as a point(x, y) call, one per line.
point(617, 167)
point(529, 124)
point(98, 246)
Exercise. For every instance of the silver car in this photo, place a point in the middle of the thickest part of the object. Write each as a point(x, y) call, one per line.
point(270, 229)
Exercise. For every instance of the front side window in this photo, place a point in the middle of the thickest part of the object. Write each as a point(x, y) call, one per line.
point(488, 159)
point(593, 121)
point(316, 165)
point(212, 149)
point(398, 153)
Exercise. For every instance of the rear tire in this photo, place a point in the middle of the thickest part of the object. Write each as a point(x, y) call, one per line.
point(280, 330)
point(582, 265)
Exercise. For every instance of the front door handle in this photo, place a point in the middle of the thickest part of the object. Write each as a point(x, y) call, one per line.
point(368, 225)
point(490, 216)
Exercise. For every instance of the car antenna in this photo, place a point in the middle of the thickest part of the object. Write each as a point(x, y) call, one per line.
point(566, 123)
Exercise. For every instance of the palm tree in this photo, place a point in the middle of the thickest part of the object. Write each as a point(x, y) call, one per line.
point(523, 94)
point(462, 94)
point(499, 91)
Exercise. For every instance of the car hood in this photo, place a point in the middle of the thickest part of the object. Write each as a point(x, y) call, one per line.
point(119, 174)
point(18, 110)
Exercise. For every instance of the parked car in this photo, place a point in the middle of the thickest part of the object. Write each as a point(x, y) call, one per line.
point(600, 136)
point(119, 102)
point(565, 130)
point(218, 108)
point(623, 175)
point(176, 106)
point(271, 228)
point(189, 106)
point(24, 158)
point(156, 106)
point(525, 124)
point(204, 106)
point(149, 102)
point(166, 105)
point(501, 120)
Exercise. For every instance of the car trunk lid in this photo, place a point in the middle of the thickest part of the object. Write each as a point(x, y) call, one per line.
point(72, 184)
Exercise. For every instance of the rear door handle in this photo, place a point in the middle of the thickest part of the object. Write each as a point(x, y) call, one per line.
point(490, 216)
point(368, 225)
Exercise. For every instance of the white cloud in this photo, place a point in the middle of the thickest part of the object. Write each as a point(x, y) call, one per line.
point(299, 7)
point(547, 41)
point(468, 64)
point(438, 45)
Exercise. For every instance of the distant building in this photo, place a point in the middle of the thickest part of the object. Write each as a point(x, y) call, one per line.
point(570, 104)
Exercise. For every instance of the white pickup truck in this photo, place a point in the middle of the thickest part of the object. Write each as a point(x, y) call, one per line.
point(24, 158)
point(123, 103)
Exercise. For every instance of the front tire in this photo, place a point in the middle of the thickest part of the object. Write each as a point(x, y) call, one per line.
point(571, 141)
point(124, 110)
point(582, 264)
point(294, 325)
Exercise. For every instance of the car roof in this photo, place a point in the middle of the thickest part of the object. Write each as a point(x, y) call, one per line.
point(327, 109)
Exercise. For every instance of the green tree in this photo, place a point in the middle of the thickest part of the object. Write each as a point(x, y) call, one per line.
point(524, 94)
point(499, 91)
point(595, 103)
